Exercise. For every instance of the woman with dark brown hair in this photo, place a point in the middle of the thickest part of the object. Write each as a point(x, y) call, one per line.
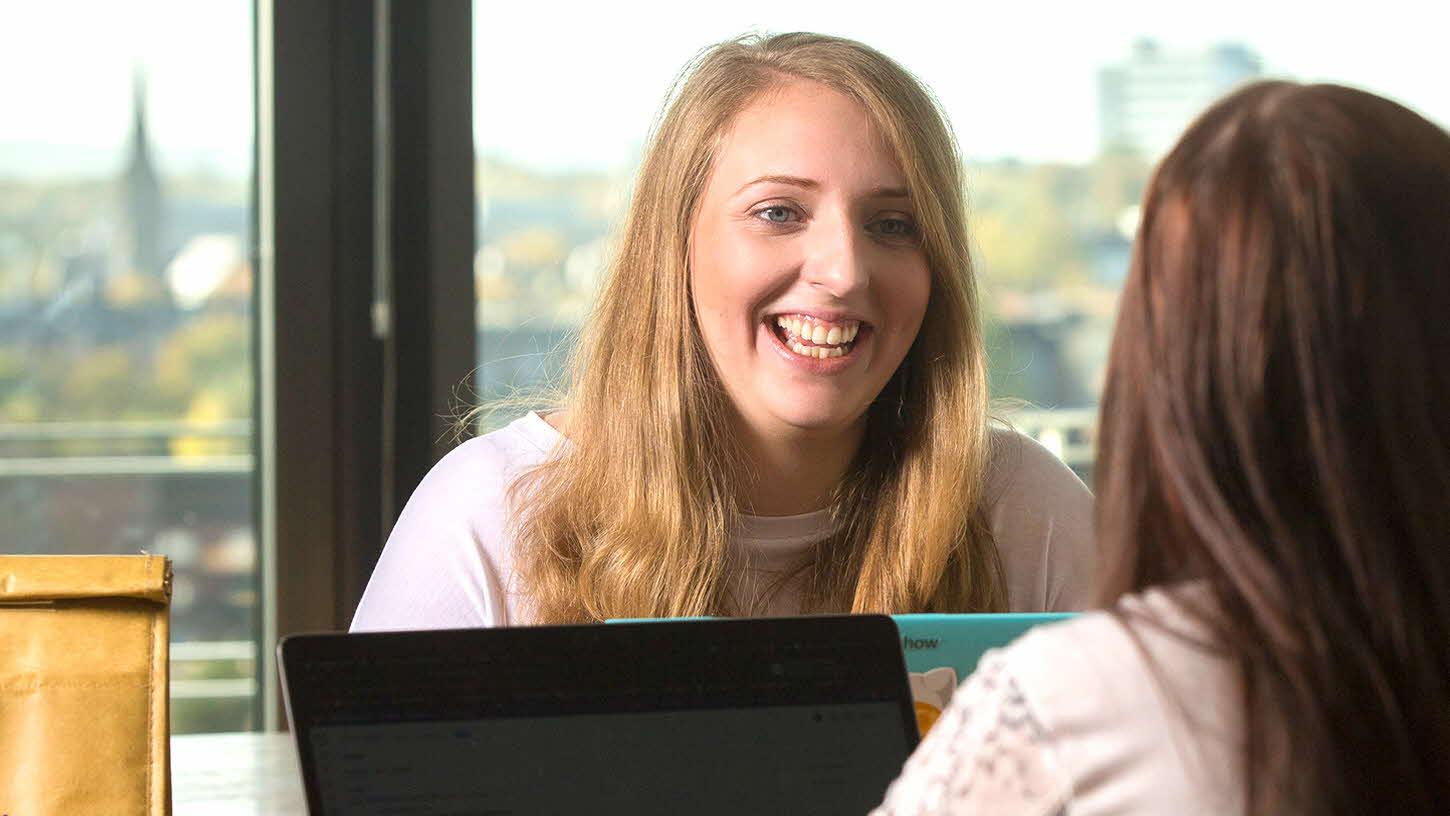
point(1273, 491)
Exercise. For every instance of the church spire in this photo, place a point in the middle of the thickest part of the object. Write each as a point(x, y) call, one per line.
point(141, 193)
point(140, 141)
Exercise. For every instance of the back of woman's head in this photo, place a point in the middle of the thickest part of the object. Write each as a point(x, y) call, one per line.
point(1274, 424)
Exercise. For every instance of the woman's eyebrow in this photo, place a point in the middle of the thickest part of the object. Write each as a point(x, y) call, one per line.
point(812, 184)
point(794, 181)
point(888, 192)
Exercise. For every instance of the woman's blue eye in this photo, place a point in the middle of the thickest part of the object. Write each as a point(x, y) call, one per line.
point(777, 215)
point(895, 227)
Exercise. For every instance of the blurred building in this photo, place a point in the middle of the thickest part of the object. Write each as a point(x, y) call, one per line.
point(1146, 101)
point(141, 198)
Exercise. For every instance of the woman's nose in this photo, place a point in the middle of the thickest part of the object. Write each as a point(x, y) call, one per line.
point(836, 261)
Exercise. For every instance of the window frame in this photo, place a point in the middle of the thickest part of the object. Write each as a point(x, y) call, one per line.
point(365, 288)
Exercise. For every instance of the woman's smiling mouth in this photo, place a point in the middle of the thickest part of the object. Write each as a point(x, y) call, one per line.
point(807, 336)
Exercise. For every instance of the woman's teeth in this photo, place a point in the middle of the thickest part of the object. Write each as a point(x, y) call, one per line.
point(810, 337)
point(819, 352)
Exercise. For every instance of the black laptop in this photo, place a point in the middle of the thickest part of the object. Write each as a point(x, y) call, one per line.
point(783, 715)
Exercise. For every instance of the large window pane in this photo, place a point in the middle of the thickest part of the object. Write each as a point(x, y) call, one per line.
point(126, 299)
point(1061, 114)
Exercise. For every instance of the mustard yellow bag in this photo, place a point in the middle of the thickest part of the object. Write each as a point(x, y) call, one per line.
point(83, 685)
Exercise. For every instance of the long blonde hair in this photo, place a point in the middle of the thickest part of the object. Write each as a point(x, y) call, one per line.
point(635, 514)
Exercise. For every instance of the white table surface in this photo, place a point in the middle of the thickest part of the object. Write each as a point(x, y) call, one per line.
point(247, 774)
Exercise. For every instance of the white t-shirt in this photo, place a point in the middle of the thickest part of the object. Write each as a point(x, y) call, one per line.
point(449, 560)
point(1073, 718)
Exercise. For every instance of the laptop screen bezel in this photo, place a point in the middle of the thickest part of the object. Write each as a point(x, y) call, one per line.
point(592, 669)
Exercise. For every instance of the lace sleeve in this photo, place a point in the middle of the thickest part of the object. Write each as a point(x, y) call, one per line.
point(987, 754)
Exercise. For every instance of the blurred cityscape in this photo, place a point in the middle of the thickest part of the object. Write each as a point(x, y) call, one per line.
point(126, 368)
point(126, 395)
point(1052, 245)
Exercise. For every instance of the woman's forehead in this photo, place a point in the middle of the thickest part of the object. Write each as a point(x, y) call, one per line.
point(809, 131)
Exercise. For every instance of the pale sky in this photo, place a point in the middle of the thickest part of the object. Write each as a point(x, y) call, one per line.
point(1017, 79)
point(578, 85)
point(67, 69)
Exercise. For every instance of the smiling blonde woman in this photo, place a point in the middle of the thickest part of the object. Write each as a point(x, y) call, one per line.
point(779, 403)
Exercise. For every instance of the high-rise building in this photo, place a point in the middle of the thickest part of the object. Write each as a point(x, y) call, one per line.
point(1146, 101)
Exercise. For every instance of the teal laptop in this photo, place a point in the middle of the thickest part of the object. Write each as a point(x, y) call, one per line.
point(942, 650)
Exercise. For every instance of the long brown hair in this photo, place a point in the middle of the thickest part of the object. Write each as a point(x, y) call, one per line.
point(1275, 425)
point(635, 515)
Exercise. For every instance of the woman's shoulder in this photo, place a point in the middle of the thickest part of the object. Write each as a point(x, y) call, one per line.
point(524, 442)
point(1136, 700)
point(531, 436)
point(1018, 464)
point(448, 558)
point(474, 477)
point(1121, 646)
point(1041, 517)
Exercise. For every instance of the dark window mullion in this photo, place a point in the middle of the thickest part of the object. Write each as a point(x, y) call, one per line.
point(432, 241)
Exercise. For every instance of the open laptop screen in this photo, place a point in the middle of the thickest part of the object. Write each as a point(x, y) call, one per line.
point(802, 715)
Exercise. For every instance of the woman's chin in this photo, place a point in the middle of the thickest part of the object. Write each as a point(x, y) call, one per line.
point(817, 419)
